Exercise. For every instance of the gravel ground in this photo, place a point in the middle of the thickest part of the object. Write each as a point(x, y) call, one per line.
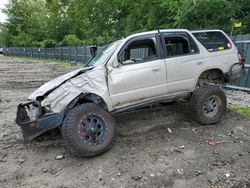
point(238, 97)
point(156, 147)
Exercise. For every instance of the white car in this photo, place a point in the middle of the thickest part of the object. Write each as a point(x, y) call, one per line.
point(139, 70)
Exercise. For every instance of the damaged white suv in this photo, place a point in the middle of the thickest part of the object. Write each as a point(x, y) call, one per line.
point(139, 70)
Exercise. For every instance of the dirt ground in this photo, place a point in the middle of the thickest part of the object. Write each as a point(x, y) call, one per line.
point(156, 147)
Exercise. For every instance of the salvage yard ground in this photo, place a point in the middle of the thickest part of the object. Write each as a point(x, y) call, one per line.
point(160, 146)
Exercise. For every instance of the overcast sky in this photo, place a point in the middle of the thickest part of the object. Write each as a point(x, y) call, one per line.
point(2, 5)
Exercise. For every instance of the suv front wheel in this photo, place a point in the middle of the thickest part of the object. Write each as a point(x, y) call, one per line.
point(88, 130)
point(208, 104)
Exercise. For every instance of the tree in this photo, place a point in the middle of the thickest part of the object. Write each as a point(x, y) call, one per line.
point(205, 14)
point(71, 40)
point(74, 22)
point(242, 14)
point(25, 23)
point(57, 25)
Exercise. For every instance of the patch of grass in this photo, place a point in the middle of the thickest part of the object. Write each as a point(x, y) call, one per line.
point(244, 111)
point(66, 64)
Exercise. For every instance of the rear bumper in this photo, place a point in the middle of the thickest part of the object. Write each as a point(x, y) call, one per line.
point(31, 128)
point(235, 75)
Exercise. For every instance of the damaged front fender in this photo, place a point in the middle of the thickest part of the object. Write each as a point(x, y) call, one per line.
point(93, 81)
point(53, 84)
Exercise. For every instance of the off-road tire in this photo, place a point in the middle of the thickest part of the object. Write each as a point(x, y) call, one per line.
point(70, 133)
point(199, 100)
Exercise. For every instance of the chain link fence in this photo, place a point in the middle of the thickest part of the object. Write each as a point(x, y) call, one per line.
point(76, 54)
point(243, 44)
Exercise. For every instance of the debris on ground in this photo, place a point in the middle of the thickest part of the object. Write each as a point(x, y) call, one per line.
point(21, 161)
point(136, 178)
point(178, 151)
point(151, 174)
point(198, 173)
point(227, 175)
point(193, 130)
point(170, 130)
point(45, 170)
point(211, 143)
point(180, 171)
point(182, 147)
point(59, 157)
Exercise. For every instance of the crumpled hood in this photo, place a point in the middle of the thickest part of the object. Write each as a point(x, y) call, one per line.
point(51, 85)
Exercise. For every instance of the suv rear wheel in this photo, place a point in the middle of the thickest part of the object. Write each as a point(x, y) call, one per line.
point(88, 130)
point(208, 104)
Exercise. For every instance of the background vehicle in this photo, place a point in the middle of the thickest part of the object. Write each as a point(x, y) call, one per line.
point(141, 69)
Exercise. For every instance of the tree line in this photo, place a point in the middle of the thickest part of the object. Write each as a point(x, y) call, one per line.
point(49, 23)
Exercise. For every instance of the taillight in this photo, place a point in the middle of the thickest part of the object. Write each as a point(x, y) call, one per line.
point(241, 61)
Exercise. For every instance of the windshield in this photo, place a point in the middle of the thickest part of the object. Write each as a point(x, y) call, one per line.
point(102, 57)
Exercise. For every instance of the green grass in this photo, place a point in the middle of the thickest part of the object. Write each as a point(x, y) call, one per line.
point(66, 64)
point(244, 111)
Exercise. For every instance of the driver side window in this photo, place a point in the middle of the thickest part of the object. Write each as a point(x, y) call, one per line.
point(139, 51)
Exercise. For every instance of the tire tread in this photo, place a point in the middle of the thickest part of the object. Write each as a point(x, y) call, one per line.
point(197, 101)
point(71, 141)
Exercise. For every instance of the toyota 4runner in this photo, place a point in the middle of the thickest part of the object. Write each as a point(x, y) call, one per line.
point(144, 68)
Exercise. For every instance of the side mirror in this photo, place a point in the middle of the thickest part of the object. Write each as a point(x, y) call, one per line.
point(129, 61)
point(116, 64)
point(93, 50)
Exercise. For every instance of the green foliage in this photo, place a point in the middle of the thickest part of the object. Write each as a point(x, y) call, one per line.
point(5, 38)
point(48, 43)
point(71, 40)
point(205, 14)
point(244, 111)
point(22, 39)
point(242, 13)
point(26, 20)
point(36, 44)
point(77, 22)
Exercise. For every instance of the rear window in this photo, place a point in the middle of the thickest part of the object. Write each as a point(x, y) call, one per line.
point(213, 40)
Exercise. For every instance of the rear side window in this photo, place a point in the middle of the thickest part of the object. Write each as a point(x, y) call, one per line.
point(176, 46)
point(213, 40)
point(179, 44)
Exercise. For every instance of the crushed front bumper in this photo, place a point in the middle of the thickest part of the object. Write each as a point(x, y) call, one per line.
point(237, 71)
point(32, 127)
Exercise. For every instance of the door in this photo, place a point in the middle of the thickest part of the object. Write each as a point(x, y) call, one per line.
point(182, 58)
point(141, 74)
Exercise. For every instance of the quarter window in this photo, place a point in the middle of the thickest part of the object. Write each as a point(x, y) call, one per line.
point(213, 40)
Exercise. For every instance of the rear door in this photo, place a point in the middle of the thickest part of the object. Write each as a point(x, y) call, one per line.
point(182, 58)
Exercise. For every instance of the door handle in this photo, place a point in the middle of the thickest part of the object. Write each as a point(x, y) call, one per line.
point(156, 69)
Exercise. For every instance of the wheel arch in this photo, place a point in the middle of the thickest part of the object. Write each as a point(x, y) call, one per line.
point(87, 98)
point(214, 75)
